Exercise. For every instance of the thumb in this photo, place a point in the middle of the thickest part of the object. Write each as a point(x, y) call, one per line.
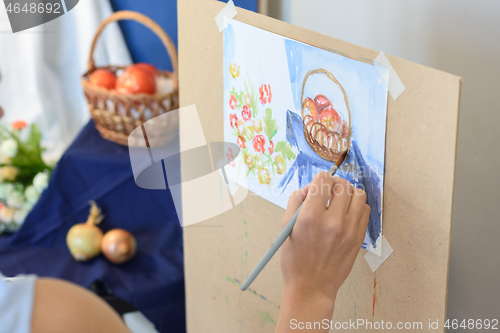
point(294, 201)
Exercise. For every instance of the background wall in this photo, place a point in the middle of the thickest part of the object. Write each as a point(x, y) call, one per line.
point(463, 38)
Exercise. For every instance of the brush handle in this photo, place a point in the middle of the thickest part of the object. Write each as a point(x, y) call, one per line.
point(287, 230)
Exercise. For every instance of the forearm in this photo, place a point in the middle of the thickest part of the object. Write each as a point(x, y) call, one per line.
point(299, 308)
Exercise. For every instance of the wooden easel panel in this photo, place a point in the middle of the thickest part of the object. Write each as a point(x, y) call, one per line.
point(418, 196)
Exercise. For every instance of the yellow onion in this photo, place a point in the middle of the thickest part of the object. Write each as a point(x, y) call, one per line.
point(84, 239)
point(118, 246)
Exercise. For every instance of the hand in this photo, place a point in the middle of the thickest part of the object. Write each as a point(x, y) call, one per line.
point(319, 254)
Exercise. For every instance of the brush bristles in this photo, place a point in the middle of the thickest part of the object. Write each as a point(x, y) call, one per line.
point(341, 159)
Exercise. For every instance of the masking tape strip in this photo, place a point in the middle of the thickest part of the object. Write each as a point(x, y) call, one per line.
point(373, 260)
point(229, 11)
point(395, 85)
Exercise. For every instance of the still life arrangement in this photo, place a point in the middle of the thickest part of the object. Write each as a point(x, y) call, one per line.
point(86, 240)
point(23, 173)
point(122, 98)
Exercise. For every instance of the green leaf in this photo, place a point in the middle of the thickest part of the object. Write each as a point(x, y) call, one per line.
point(239, 98)
point(285, 149)
point(270, 127)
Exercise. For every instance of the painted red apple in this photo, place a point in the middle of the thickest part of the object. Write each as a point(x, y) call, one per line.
point(322, 102)
point(310, 107)
point(331, 119)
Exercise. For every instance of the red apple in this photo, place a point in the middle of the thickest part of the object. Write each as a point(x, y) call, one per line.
point(322, 102)
point(147, 67)
point(134, 80)
point(103, 78)
point(331, 119)
point(309, 107)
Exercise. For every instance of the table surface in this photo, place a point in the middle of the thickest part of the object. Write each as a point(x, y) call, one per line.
point(95, 169)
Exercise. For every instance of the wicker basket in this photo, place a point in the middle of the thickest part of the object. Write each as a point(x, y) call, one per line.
point(116, 115)
point(328, 144)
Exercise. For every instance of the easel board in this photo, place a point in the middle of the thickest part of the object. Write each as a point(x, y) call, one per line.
point(422, 123)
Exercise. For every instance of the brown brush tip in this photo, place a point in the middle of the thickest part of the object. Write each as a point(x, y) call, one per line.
point(341, 158)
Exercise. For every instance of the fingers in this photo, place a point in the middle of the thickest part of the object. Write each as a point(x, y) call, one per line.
point(320, 191)
point(341, 196)
point(357, 204)
point(363, 222)
point(294, 201)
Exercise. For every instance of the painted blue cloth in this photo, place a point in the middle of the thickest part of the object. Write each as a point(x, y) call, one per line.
point(95, 169)
point(354, 169)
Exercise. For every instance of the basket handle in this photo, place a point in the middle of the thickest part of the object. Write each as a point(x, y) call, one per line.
point(138, 17)
point(331, 77)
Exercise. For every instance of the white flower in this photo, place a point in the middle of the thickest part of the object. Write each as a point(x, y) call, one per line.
point(5, 190)
point(7, 214)
point(8, 172)
point(31, 194)
point(20, 216)
point(9, 147)
point(15, 199)
point(41, 181)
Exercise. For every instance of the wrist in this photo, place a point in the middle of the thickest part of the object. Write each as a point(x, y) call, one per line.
point(305, 295)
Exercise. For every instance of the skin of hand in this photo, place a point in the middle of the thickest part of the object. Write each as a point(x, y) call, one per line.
point(321, 250)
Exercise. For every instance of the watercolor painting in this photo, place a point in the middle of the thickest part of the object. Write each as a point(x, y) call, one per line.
point(293, 109)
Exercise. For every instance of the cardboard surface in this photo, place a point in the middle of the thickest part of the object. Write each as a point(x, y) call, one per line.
point(411, 285)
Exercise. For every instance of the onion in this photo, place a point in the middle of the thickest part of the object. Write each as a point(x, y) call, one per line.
point(84, 239)
point(118, 246)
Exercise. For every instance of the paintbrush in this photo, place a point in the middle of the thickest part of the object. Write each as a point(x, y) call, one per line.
point(287, 230)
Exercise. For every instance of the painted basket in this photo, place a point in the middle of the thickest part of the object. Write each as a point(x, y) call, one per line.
point(328, 144)
point(117, 115)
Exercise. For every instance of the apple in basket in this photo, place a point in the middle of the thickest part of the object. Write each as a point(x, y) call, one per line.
point(103, 78)
point(136, 79)
point(331, 119)
point(322, 102)
point(309, 106)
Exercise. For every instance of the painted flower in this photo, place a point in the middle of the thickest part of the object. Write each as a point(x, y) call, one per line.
point(233, 102)
point(229, 156)
point(258, 143)
point(246, 114)
point(233, 119)
point(264, 177)
point(9, 147)
point(7, 214)
point(8, 172)
point(234, 70)
point(247, 100)
point(241, 141)
point(240, 127)
point(249, 160)
point(41, 181)
point(19, 124)
point(271, 147)
point(249, 133)
point(257, 125)
point(259, 162)
point(265, 93)
point(280, 164)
